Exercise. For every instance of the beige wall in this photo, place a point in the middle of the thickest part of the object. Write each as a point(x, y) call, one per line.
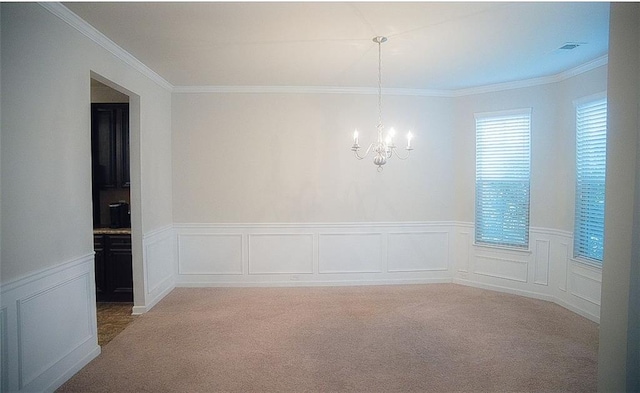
point(101, 93)
point(244, 158)
point(250, 158)
point(46, 156)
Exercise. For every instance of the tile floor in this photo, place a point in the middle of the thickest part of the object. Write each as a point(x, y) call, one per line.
point(113, 318)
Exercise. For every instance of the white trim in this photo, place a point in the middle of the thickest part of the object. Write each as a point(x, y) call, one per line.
point(37, 296)
point(164, 230)
point(74, 369)
point(601, 95)
point(551, 232)
point(283, 225)
point(44, 273)
point(591, 65)
point(309, 90)
point(528, 294)
point(327, 283)
point(96, 36)
point(138, 310)
point(499, 247)
point(504, 113)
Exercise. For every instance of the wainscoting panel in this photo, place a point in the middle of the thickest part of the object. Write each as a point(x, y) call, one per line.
point(73, 321)
point(159, 264)
point(509, 269)
point(281, 254)
point(210, 253)
point(303, 254)
point(49, 328)
point(417, 251)
point(541, 266)
point(545, 271)
point(4, 349)
point(462, 244)
point(586, 283)
point(350, 253)
point(563, 268)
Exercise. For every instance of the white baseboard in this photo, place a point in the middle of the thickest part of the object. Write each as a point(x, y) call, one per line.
point(73, 370)
point(138, 310)
point(332, 283)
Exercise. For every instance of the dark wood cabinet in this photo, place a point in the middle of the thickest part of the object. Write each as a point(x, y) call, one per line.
point(109, 155)
point(113, 268)
point(110, 145)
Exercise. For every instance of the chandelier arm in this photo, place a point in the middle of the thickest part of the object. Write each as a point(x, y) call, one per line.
point(394, 151)
point(366, 153)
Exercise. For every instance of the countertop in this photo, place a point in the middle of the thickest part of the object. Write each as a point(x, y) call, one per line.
point(112, 231)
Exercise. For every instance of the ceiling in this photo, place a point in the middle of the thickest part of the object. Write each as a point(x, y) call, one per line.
point(436, 46)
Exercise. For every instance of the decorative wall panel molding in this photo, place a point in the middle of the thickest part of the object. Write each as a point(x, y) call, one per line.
point(586, 283)
point(4, 348)
point(541, 266)
point(159, 264)
point(206, 253)
point(302, 254)
point(563, 269)
point(313, 253)
point(545, 271)
point(36, 353)
point(417, 251)
point(42, 341)
point(286, 253)
point(350, 253)
point(462, 245)
point(504, 268)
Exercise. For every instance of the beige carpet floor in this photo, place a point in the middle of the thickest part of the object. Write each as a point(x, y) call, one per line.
point(426, 338)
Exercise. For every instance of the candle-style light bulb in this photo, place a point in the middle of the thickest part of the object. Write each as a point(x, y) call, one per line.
point(409, 138)
point(355, 137)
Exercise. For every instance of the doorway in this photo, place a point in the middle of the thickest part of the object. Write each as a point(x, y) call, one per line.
point(111, 197)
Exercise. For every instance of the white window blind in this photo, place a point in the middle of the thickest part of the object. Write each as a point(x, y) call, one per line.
point(502, 178)
point(591, 138)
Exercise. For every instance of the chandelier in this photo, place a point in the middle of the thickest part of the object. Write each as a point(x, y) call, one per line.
point(384, 147)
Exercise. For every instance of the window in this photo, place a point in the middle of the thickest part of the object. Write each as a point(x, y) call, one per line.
point(591, 138)
point(502, 178)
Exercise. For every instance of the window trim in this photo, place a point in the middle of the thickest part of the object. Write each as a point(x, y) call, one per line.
point(527, 111)
point(602, 95)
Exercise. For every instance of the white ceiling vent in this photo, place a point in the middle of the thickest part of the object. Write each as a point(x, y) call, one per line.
point(571, 45)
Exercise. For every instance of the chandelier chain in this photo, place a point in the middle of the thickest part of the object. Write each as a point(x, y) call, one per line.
point(379, 86)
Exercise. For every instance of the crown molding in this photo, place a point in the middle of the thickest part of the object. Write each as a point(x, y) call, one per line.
point(309, 90)
point(599, 62)
point(591, 65)
point(94, 35)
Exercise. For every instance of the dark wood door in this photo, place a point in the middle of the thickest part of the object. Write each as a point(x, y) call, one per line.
point(110, 145)
point(109, 151)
